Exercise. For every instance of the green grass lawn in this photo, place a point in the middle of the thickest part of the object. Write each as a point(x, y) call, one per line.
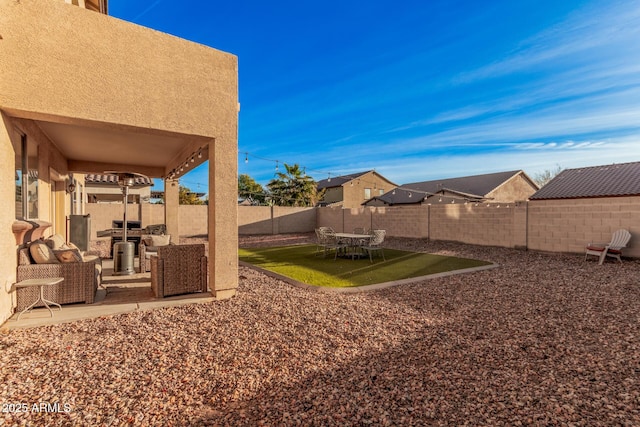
point(304, 264)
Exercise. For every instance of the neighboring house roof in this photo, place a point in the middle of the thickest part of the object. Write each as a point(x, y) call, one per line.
point(597, 181)
point(337, 181)
point(113, 180)
point(474, 187)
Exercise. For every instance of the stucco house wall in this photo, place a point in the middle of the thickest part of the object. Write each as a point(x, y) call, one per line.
point(517, 188)
point(354, 190)
point(149, 82)
point(333, 195)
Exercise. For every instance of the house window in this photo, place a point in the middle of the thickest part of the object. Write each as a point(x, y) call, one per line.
point(381, 192)
point(26, 166)
point(367, 193)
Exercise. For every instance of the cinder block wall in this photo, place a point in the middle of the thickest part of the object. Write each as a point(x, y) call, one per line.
point(193, 219)
point(331, 217)
point(152, 214)
point(568, 225)
point(292, 220)
point(406, 221)
point(545, 225)
point(485, 224)
point(102, 214)
point(254, 220)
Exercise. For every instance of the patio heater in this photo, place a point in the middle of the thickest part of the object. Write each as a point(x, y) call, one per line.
point(124, 251)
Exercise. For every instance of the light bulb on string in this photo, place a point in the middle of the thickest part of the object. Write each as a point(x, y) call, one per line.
point(246, 157)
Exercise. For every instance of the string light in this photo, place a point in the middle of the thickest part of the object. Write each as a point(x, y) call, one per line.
point(246, 157)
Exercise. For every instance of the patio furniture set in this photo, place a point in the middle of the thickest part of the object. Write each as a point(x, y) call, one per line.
point(54, 272)
point(351, 245)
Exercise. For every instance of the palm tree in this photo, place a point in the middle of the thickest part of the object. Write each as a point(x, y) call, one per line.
point(293, 188)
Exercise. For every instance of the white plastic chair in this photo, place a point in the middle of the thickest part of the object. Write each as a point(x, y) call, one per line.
point(612, 249)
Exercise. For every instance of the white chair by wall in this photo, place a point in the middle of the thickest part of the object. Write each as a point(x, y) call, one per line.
point(613, 249)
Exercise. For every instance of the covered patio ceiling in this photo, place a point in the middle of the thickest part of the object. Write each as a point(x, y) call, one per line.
point(99, 147)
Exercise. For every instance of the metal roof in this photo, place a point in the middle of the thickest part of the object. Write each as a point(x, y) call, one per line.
point(596, 181)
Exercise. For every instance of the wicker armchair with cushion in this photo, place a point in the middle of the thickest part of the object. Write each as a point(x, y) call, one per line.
point(57, 243)
point(38, 260)
point(179, 269)
point(149, 245)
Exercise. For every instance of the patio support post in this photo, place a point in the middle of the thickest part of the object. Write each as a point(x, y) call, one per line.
point(171, 205)
point(223, 215)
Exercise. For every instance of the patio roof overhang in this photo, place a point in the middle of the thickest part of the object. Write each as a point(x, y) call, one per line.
point(96, 147)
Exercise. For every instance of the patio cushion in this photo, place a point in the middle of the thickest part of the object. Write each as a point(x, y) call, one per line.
point(56, 241)
point(68, 255)
point(162, 240)
point(42, 253)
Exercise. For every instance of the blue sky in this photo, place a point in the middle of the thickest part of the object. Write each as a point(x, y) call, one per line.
point(421, 90)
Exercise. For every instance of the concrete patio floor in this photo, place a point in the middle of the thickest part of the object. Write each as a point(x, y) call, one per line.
point(117, 295)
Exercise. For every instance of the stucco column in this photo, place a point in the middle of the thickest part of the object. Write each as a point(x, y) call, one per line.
point(171, 205)
point(223, 216)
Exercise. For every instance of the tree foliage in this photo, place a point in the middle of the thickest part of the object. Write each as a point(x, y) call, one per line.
point(293, 188)
point(249, 189)
point(547, 175)
point(187, 197)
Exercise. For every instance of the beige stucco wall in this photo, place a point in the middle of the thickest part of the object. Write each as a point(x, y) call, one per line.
point(354, 195)
point(86, 65)
point(516, 188)
point(333, 195)
point(64, 64)
point(8, 258)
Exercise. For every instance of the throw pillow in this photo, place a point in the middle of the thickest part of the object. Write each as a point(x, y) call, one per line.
point(42, 253)
point(68, 255)
point(56, 241)
point(163, 240)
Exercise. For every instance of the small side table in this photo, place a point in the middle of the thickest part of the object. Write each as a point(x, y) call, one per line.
point(48, 281)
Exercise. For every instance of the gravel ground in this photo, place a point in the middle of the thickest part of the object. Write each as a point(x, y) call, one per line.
point(545, 339)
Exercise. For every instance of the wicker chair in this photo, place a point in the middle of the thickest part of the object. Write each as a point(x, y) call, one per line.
point(80, 281)
point(179, 269)
point(146, 250)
